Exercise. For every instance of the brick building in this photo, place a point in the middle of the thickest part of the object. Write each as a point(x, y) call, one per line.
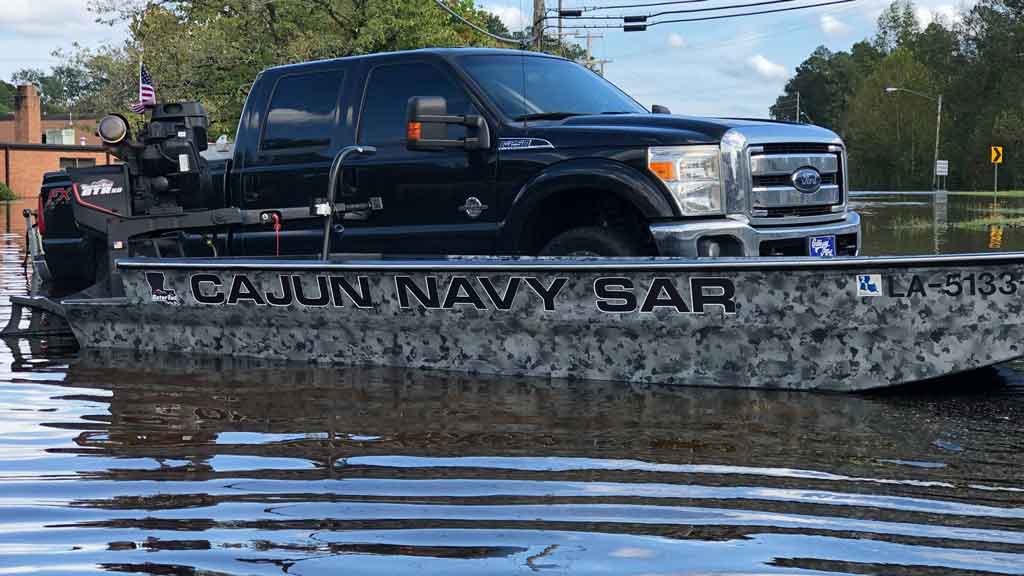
point(31, 145)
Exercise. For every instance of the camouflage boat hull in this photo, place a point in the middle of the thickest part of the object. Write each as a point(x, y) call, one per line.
point(840, 324)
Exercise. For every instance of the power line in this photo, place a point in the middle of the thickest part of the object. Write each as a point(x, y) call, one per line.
point(636, 18)
point(518, 41)
point(642, 27)
point(749, 38)
point(755, 13)
point(644, 5)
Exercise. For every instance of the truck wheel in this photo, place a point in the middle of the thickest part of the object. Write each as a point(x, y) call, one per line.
point(593, 241)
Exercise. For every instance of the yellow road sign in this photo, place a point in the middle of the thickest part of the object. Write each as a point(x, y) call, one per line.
point(997, 154)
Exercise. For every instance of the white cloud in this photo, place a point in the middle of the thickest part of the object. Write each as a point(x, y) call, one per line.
point(833, 26)
point(35, 18)
point(676, 41)
point(766, 68)
point(511, 16)
point(943, 14)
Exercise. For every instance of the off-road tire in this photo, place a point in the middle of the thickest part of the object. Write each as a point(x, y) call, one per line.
point(594, 241)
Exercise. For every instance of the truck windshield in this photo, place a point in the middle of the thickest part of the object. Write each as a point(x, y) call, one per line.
point(539, 88)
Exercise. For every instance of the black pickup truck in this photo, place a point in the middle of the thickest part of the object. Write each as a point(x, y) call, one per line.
point(477, 151)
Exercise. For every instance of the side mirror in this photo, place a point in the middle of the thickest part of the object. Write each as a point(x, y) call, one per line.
point(427, 121)
point(659, 109)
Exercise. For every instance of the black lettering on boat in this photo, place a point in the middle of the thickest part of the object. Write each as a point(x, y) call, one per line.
point(287, 295)
point(201, 295)
point(461, 291)
point(916, 286)
point(891, 287)
point(323, 296)
point(362, 298)
point(673, 299)
point(504, 301)
point(713, 292)
point(242, 288)
point(547, 294)
point(404, 285)
point(615, 294)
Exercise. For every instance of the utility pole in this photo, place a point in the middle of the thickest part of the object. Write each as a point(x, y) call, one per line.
point(559, 22)
point(538, 24)
point(797, 106)
point(590, 61)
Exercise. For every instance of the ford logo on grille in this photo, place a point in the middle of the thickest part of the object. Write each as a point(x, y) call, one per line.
point(807, 180)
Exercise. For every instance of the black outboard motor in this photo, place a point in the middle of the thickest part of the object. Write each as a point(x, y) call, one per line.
point(165, 171)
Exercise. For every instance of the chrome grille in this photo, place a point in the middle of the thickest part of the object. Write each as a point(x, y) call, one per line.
point(773, 194)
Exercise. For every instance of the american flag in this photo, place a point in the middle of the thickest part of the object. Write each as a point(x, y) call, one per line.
point(147, 94)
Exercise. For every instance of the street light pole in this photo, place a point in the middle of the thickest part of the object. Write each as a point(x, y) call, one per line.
point(938, 123)
point(935, 164)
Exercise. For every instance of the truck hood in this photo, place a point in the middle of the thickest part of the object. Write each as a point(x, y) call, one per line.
point(670, 129)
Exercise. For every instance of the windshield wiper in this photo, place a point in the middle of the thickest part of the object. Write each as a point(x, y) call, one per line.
point(547, 116)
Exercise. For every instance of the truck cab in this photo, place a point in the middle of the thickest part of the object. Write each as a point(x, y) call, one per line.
point(574, 166)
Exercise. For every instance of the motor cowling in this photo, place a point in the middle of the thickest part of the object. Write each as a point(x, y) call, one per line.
point(166, 170)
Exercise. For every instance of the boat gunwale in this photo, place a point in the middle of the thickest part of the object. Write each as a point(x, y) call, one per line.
point(570, 264)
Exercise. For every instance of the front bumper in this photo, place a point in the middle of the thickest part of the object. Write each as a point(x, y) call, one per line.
point(684, 238)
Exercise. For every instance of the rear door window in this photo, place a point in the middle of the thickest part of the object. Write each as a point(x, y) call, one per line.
point(387, 95)
point(303, 111)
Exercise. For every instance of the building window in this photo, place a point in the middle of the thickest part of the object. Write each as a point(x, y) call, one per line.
point(65, 136)
point(77, 162)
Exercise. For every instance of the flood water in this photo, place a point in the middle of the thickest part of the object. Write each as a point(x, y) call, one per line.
point(160, 465)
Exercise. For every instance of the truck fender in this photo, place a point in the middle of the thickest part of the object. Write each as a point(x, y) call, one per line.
point(597, 174)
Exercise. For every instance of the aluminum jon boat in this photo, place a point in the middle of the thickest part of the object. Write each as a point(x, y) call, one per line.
point(843, 324)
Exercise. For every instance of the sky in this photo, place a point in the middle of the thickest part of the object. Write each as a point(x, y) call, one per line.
point(731, 67)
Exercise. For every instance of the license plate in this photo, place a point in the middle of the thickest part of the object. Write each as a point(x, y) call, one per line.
point(822, 246)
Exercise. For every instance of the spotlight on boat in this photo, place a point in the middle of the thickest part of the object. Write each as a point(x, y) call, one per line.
point(113, 129)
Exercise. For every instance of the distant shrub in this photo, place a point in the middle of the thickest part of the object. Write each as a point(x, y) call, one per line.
point(6, 193)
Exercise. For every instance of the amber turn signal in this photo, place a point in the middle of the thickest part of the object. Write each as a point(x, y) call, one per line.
point(413, 131)
point(664, 170)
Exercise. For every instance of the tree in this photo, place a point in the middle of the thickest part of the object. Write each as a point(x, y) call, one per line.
point(897, 26)
point(61, 89)
point(825, 81)
point(890, 137)
point(7, 92)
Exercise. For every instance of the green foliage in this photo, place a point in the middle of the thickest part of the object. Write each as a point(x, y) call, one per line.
point(6, 194)
point(891, 137)
point(897, 26)
point(7, 92)
point(976, 64)
point(825, 81)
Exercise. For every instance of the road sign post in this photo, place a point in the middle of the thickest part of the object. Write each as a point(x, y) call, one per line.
point(997, 159)
point(941, 171)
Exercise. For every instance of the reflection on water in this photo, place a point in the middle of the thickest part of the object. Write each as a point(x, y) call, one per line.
point(158, 464)
point(151, 464)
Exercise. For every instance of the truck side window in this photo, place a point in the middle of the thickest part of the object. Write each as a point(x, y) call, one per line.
point(387, 94)
point(303, 111)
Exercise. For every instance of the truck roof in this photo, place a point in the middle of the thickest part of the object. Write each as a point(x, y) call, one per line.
point(441, 52)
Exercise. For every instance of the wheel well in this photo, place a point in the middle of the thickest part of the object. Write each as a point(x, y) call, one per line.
point(564, 211)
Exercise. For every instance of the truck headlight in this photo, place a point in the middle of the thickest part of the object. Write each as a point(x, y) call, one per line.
point(693, 174)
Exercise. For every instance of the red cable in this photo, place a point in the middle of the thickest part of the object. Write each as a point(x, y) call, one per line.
point(277, 234)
